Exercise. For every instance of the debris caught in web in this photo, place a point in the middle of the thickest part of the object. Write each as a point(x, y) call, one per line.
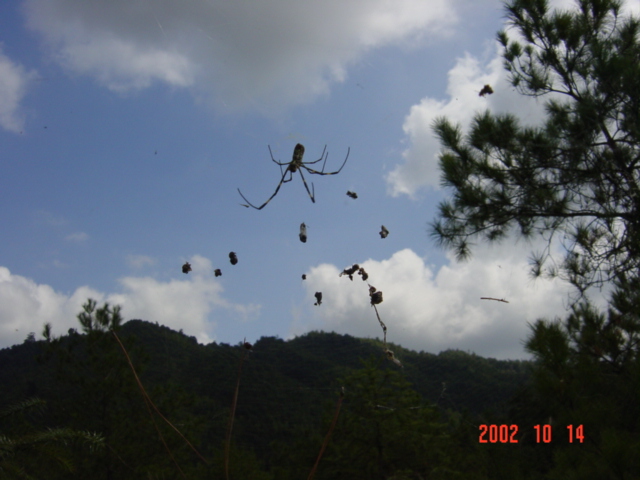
point(496, 299)
point(349, 271)
point(375, 298)
point(303, 233)
point(363, 274)
point(391, 357)
point(355, 268)
point(486, 90)
point(376, 295)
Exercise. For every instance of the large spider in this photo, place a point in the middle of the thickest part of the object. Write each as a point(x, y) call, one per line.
point(297, 165)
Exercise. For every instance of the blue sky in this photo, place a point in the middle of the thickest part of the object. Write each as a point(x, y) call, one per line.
point(127, 127)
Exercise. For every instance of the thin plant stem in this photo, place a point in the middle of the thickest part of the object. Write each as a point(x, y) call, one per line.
point(227, 446)
point(149, 403)
point(155, 424)
point(326, 439)
point(384, 327)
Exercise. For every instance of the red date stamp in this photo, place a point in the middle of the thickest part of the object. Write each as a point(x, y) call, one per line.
point(543, 433)
point(498, 434)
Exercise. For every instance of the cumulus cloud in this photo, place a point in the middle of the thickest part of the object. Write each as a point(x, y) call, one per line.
point(140, 261)
point(25, 306)
point(14, 80)
point(437, 309)
point(628, 6)
point(264, 55)
point(466, 79)
point(190, 304)
point(631, 7)
point(433, 309)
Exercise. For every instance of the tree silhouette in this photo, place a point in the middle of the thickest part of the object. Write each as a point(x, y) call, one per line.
point(98, 376)
point(21, 444)
point(385, 430)
point(575, 178)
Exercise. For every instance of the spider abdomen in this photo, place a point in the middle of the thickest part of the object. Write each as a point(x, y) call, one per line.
point(298, 152)
point(296, 161)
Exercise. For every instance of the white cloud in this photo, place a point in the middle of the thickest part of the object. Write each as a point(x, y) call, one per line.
point(140, 261)
point(262, 54)
point(122, 66)
point(631, 7)
point(191, 304)
point(26, 306)
point(466, 79)
point(628, 6)
point(14, 80)
point(432, 309)
point(180, 304)
point(78, 237)
point(563, 4)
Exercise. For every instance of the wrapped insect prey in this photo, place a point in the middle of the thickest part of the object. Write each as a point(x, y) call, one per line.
point(303, 233)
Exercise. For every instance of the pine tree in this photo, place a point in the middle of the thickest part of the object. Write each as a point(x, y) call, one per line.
point(588, 374)
point(21, 444)
point(385, 430)
point(575, 178)
point(98, 391)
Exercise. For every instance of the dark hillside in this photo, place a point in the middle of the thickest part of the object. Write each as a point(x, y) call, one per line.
point(286, 390)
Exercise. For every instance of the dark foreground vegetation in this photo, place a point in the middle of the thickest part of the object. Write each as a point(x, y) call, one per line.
point(431, 419)
point(417, 420)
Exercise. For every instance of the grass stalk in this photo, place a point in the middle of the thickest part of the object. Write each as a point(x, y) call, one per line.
point(149, 403)
point(328, 437)
point(234, 404)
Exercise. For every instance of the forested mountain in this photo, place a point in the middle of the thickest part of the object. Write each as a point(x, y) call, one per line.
point(287, 394)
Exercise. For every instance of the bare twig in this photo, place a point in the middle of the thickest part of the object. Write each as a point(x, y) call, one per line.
point(150, 403)
point(227, 446)
point(384, 327)
point(326, 439)
point(496, 299)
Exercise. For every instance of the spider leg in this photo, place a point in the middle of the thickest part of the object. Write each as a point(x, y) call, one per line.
point(311, 195)
point(282, 164)
point(322, 157)
point(322, 172)
point(290, 176)
point(282, 180)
